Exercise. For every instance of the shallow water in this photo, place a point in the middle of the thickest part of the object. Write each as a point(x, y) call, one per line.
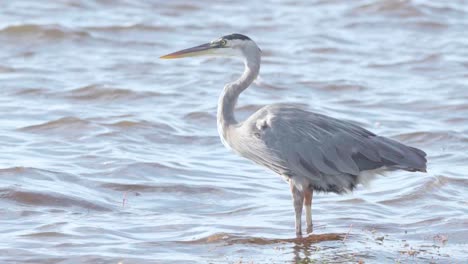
point(112, 156)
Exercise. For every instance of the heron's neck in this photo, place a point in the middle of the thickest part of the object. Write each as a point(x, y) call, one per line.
point(228, 99)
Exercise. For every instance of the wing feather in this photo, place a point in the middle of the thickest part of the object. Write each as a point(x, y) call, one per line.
point(311, 144)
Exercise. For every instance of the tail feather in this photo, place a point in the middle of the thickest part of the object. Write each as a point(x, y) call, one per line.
point(399, 156)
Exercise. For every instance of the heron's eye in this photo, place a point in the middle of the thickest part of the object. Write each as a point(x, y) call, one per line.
point(223, 42)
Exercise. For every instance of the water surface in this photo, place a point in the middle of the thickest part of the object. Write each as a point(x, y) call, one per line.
point(110, 155)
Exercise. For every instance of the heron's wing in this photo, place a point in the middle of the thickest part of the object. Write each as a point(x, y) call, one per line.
point(317, 145)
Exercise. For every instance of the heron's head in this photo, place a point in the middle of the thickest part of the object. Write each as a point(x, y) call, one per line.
point(229, 45)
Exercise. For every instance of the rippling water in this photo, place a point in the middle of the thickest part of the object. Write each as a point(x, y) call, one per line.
point(111, 155)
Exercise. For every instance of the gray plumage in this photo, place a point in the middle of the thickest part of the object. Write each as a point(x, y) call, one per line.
point(329, 153)
point(312, 152)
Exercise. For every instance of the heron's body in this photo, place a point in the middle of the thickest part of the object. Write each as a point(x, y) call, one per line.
point(312, 152)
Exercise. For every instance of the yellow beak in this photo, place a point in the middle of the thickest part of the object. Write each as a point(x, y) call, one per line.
point(203, 49)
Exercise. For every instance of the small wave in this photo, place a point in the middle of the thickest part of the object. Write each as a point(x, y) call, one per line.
point(127, 125)
point(352, 201)
point(6, 69)
point(430, 25)
point(429, 137)
point(23, 174)
point(48, 234)
point(263, 84)
point(13, 170)
point(450, 107)
point(428, 188)
point(32, 91)
point(51, 199)
point(338, 86)
point(145, 171)
point(126, 28)
point(234, 239)
point(426, 60)
point(130, 124)
point(29, 171)
point(186, 7)
point(237, 211)
point(64, 123)
point(457, 120)
point(200, 116)
point(100, 93)
point(43, 31)
point(168, 188)
point(326, 50)
point(452, 10)
point(397, 8)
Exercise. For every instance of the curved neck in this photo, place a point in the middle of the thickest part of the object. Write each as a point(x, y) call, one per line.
point(228, 99)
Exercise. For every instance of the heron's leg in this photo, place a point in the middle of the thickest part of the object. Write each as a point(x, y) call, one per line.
point(298, 199)
point(308, 209)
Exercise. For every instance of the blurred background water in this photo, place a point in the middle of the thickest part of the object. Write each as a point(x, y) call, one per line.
point(110, 155)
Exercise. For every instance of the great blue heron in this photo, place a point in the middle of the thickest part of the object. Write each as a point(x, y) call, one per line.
point(312, 152)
